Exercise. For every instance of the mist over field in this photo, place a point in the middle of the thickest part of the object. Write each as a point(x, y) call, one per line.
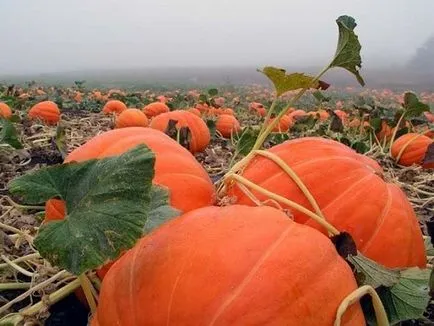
point(210, 41)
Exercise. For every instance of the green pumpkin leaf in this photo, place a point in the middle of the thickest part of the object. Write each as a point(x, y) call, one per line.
point(408, 298)
point(60, 140)
point(211, 124)
point(15, 118)
point(369, 272)
point(347, 54)
point(203, 98)
point(413, 107)
point(8, 134)
point(160, 210)
point(247, 140)
point(284, 83)
point(107, 204)
point(213, 92)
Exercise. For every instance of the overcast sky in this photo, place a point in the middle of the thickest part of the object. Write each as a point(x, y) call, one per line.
point(59, 35)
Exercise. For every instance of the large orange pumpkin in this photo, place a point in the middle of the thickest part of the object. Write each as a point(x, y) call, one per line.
point(46, 111)
point(155, 108)
point(350, 194)
point(131, 118)
point(227, 125)
point(175, 168)
point(5, 111)
point(200, 135)
point(233, 265)
point(411, 149)
point(114, 106)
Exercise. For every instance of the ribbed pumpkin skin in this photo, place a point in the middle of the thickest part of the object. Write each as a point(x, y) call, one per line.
point(284, 124)
point(194, 111)
point(114, 106)
point(5, 111)
point(46, 111)
point(131, 118)
point(233, 265)
point(350, 194)
point(189, 185)
point(296, 113)
point(227, 125)
point(55, 209)
point(414, 153)
point(200, 135)
point(155, 108)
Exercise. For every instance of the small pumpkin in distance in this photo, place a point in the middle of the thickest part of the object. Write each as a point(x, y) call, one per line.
point(411, 149)
point(227, 125)
point(5, 111)
point(283, 125)
point(131, 118)
point(114, 106)
point(199, 132)
point(46, 111)
point(179, 277)
point(55, 209)
point(153, 109)
point(296, 114)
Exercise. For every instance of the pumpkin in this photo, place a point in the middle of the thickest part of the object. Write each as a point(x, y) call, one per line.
point(322, 115)
point(45, 111)
point(342, 115)
point(55, 209)
point(131, 118)
point(155, 108)
point(114, 106)
point(283, 125)
point(227, 111)
point(262, 112)
point(78, 97)
point(200, 135)
point(411, 149)
point(227, 125)
point(5, 111)
point(429, 116)
point(194, 111)
point(385, 133)
point(350, 194)
point(175, 168)
point(203, 108)
point(297, 113)
point(232, 265)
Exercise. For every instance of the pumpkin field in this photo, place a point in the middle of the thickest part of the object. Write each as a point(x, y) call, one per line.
point(292, 203)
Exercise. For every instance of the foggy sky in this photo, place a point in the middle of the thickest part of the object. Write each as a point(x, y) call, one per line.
point(58, 35)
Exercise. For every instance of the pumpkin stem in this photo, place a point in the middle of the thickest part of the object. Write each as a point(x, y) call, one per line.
point(264, 133)
point(395, 131)
point(330, 228)
point(380, 312)
point(291, 173)
point(54, 297)
point(89, 292)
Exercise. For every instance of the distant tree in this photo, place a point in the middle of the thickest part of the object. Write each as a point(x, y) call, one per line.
point(423, 60)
